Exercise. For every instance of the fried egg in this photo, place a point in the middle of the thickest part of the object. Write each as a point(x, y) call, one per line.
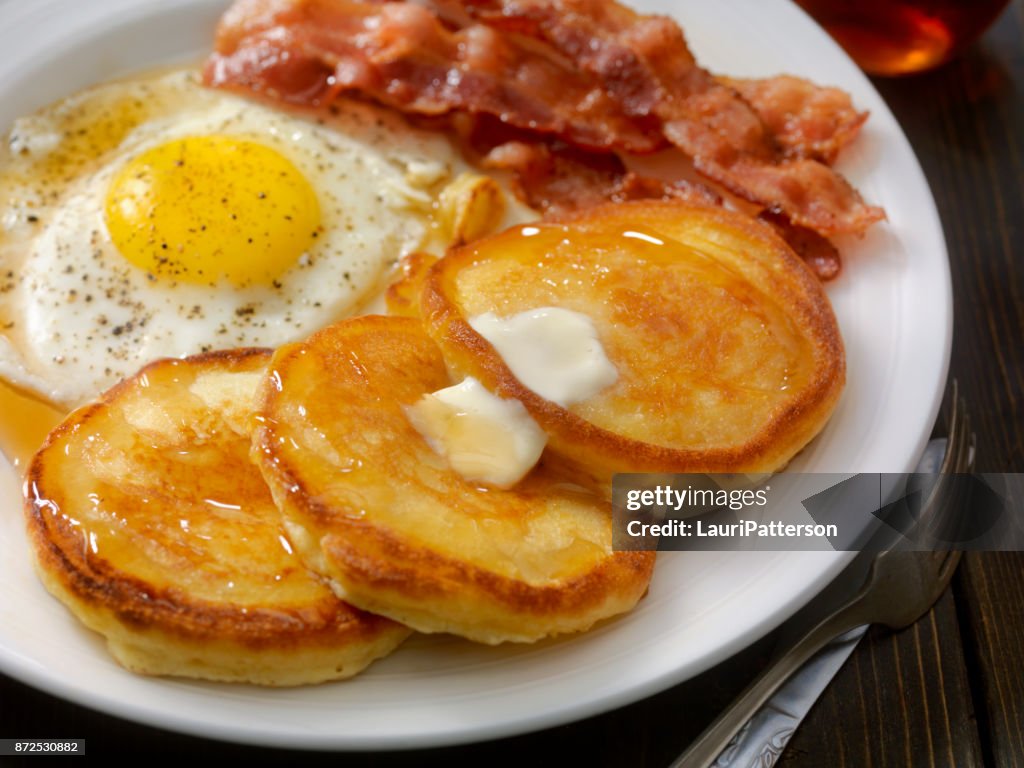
point(155, 218)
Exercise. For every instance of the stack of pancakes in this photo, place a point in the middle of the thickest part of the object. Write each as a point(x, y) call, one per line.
point(275, 518)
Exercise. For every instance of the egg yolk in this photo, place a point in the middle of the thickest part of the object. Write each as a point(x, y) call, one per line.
point(206, 208)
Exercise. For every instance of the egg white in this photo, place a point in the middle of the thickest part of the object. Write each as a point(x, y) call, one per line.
point(75, 316)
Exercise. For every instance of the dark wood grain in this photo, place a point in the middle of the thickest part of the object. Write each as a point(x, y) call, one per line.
point(991, 595)
point(902, 699)
point(948, 691)
point(966, 123)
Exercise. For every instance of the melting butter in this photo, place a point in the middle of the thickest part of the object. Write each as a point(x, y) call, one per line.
point(482, 436)
point(553, 351)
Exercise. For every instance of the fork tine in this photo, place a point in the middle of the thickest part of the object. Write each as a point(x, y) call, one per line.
point(949, 564)
point(953, 404)
point(958, 445)
point(946, 502)
point(951, 449)
point(964, 459)
point(954, 447)
point(955, 432)
point(942, 559)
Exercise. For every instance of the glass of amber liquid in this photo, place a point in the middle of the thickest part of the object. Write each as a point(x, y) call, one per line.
point(898, 37)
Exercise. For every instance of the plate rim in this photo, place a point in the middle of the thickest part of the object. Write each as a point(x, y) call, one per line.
point(34, 674)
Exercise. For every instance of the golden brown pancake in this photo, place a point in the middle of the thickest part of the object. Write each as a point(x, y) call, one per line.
point(151, 524)
point(728, 354)
point(403, 295)
point(401, 534)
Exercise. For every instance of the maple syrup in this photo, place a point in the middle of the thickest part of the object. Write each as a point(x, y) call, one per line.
point(25, 422)
point(898, 37)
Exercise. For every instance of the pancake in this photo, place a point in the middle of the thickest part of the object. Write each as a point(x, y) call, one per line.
point(728, 354)
point(402, 297)
point(373, 507)
point(149, 522)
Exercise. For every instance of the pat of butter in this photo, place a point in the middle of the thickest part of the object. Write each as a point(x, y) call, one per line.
point(483, 437)
point(553, 351)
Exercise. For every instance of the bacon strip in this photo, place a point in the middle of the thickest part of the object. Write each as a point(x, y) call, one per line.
point(819, 254)
point(804, 119)
point(557, 179)
point(807, 120)
point(591, 72)
point(554, 177)
point(645, 62)
point(308, 51)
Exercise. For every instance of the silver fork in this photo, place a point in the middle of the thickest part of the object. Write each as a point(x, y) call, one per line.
point(900, 587)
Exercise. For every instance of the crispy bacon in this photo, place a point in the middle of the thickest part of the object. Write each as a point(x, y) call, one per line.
point(645, 62)
point(554, 177)
point(557, 179)
point(804, 119)
point(590, 72)
point(807, 120)
point(401, 54)
point(819, 254)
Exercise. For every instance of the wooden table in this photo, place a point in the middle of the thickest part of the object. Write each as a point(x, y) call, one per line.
point(949, 691)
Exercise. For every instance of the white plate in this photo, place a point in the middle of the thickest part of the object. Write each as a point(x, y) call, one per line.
point(894, 306)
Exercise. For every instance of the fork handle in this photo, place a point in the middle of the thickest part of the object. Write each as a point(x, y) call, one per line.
point(716, 737)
